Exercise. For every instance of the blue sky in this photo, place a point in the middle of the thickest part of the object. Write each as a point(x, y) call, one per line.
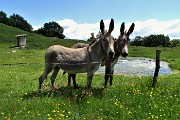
point(84, 15)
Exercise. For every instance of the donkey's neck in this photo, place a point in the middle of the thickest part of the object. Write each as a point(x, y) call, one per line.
point(116, 49)
point(97, 52)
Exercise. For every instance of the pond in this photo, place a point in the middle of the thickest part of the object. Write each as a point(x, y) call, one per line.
point(138, 66)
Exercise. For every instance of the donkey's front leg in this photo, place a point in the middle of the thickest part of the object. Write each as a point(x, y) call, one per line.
point(111, 76)
point(107, 74)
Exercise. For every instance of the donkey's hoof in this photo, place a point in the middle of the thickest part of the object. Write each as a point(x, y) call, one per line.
point(110, 83)
point(55, 87)
point(89, 92)
point(76, 86)
point(39, 91)
point(105, 85)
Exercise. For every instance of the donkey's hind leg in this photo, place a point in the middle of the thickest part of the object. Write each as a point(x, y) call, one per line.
point(69, 79)
point(73, 76)
point(54, 75)
point(47, 70)
point(74, 81)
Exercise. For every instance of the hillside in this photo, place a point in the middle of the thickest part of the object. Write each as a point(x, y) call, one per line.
point(34, 41)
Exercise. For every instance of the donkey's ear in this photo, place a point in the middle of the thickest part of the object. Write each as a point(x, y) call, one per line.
point(102, 26)
point(111, 26)
point(131, 29)
point(122, 28)
point(115, 39)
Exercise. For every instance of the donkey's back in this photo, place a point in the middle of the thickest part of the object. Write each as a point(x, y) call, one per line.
point(68, 59)
point(80, 45)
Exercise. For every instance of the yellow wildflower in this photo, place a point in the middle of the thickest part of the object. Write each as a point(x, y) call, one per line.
point(62, 115)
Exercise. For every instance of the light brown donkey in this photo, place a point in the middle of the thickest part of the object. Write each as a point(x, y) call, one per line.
point(87, 59)
point(73, 76)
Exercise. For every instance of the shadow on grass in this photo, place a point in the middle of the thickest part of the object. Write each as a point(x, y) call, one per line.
point(74, 95)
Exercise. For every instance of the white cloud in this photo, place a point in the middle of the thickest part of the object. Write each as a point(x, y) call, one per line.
point(74, 30)
point(36, 27)
point(152, 26)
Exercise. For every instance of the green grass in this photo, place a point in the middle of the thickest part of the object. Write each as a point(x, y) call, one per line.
point(130, 97)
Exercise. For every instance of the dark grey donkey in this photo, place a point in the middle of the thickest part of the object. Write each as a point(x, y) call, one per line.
point(120, 48)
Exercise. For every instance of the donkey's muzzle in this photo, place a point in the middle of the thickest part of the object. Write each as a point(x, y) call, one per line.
point(111, 55)
point(124, 54)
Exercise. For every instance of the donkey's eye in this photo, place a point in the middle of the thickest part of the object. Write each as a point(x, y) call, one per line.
point(104, 39)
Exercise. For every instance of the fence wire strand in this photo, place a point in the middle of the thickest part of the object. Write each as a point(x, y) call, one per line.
point(19, 64)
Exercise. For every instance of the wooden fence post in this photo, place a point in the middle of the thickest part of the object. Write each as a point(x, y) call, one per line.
point(158, 52)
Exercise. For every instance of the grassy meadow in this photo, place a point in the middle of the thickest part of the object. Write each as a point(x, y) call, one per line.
point(130, 97)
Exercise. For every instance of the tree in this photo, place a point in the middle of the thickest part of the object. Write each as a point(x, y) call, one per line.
point(52, 29)
point(156, 40)
point(164, 40)
point(19, 22)
point(138, 40)
point(174, 42)
point(92, 38)
point(3, 18)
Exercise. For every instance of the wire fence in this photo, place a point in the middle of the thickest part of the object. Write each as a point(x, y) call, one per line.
point(72, 64)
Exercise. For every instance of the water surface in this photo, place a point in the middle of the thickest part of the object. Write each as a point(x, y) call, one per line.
point(138, 66)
